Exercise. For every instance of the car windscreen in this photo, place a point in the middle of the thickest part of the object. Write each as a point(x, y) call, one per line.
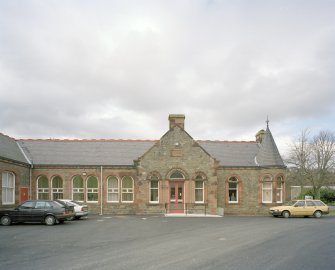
point(290, 203)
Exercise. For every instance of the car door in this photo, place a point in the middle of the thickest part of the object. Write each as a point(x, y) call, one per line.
point(37, 213)
point(310, 208)
point(24, 211)
point(299, 209)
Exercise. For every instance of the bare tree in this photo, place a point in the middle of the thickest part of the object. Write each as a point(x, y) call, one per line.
point(312, 160)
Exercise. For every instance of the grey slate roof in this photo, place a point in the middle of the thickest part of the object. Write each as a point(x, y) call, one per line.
point(84, 152)
point(268, 154)
point(124, 152)
point(10, 150)
point(232, 153)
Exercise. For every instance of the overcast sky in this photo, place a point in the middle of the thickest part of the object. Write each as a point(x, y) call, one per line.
point(117, 69)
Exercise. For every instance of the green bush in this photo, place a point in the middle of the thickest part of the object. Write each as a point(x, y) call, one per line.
point(327, 195)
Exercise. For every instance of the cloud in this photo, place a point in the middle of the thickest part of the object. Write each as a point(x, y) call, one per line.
point(116, 69)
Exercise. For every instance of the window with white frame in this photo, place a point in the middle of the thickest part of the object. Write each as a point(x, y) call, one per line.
point(232, 190)
point(279, 191)
point(8, 188)
point(154, 189)
point(43, 188)
point(57, 188)
point(113, 189)
point(92, 189)
point(267, 190)
point(78, 188)
point(127, 189)
point(199, 189)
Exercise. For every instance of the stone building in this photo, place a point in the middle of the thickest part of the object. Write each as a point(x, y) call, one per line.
point(175, 174)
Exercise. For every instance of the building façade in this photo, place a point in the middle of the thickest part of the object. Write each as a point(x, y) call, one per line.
point(175, 174)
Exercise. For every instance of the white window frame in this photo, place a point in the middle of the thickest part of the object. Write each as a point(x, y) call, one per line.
point(42, 190)
point(154, 188)
point(201, 188)
point(279, 189)
point(111, 190)
point(57, 190)
point(267, 189)
point(127, 190)
point(92, 190)
point(7, 189)
point(76, 190)
point(235, 189)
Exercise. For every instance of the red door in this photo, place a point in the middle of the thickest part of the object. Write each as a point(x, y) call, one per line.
point(24, 194)
point(176, 197)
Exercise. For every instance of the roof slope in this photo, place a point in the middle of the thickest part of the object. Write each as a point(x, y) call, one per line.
point(84, 152)
point(232, 153)
point(10, 150)
point(268, 154)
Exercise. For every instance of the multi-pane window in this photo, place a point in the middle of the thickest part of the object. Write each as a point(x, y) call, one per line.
point(154, 189)
point(92, 189)
point(267, 190)
point(8, 188)
point(199, 189)
point(78, 188)
point(57, 188)
point(113, 189)
point(233, 190)
point(279, 192)
point(127, 189)
point(43, 188)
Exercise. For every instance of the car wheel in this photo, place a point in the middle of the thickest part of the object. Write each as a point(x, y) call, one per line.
point(50, 220)
point(317, 214)
point(6, 220)
point(286, 214)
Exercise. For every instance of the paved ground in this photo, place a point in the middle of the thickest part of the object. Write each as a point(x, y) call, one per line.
point(134, 242)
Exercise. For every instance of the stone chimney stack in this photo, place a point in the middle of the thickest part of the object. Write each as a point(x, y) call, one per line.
point(177, 120)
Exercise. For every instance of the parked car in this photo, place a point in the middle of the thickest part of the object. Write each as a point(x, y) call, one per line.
point(304, 208)
point(80, 210)
point(44, 211)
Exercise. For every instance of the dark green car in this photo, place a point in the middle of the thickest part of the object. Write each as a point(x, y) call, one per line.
point(42, 211)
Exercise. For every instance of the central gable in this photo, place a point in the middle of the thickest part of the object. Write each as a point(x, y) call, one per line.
point(176, 149)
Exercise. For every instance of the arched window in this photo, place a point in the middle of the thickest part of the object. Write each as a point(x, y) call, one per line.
point(92, 189)
point(43, 188)
point(113, 189)
point(233, 190)
point(177, 175)
point(154, 189)
point(199, 189)
point(78, 188)
point(267, 189)
point(279, 191)
point(127, 189)
point(8, 188)
point(57, 188)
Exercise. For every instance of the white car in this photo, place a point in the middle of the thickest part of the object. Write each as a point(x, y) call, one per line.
point(81, 210)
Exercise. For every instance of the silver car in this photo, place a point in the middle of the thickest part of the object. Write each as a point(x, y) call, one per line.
point(80, 210)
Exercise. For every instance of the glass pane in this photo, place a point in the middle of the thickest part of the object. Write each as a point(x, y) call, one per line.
point(92, 182)
point(43, 182)
point(267, 195)
point(154, 184)
point(232, 185)
point(78, 182)
point(232, 195)
point(78, 196)
point(173, 193)
point(113, 182)
point(177, 175)
point(180, 193)
point(127, 182)
point(267, 185)
point(198, 184)
point(57, 182)
point(198, 195)
point(154, 195)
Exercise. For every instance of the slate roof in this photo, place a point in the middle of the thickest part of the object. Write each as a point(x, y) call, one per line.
point(268, 154)
point(10, 150)
point(124, 152)
point(84, 152)
point(239, 154)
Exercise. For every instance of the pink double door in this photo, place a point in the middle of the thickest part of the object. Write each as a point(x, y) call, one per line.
point(176, 189)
